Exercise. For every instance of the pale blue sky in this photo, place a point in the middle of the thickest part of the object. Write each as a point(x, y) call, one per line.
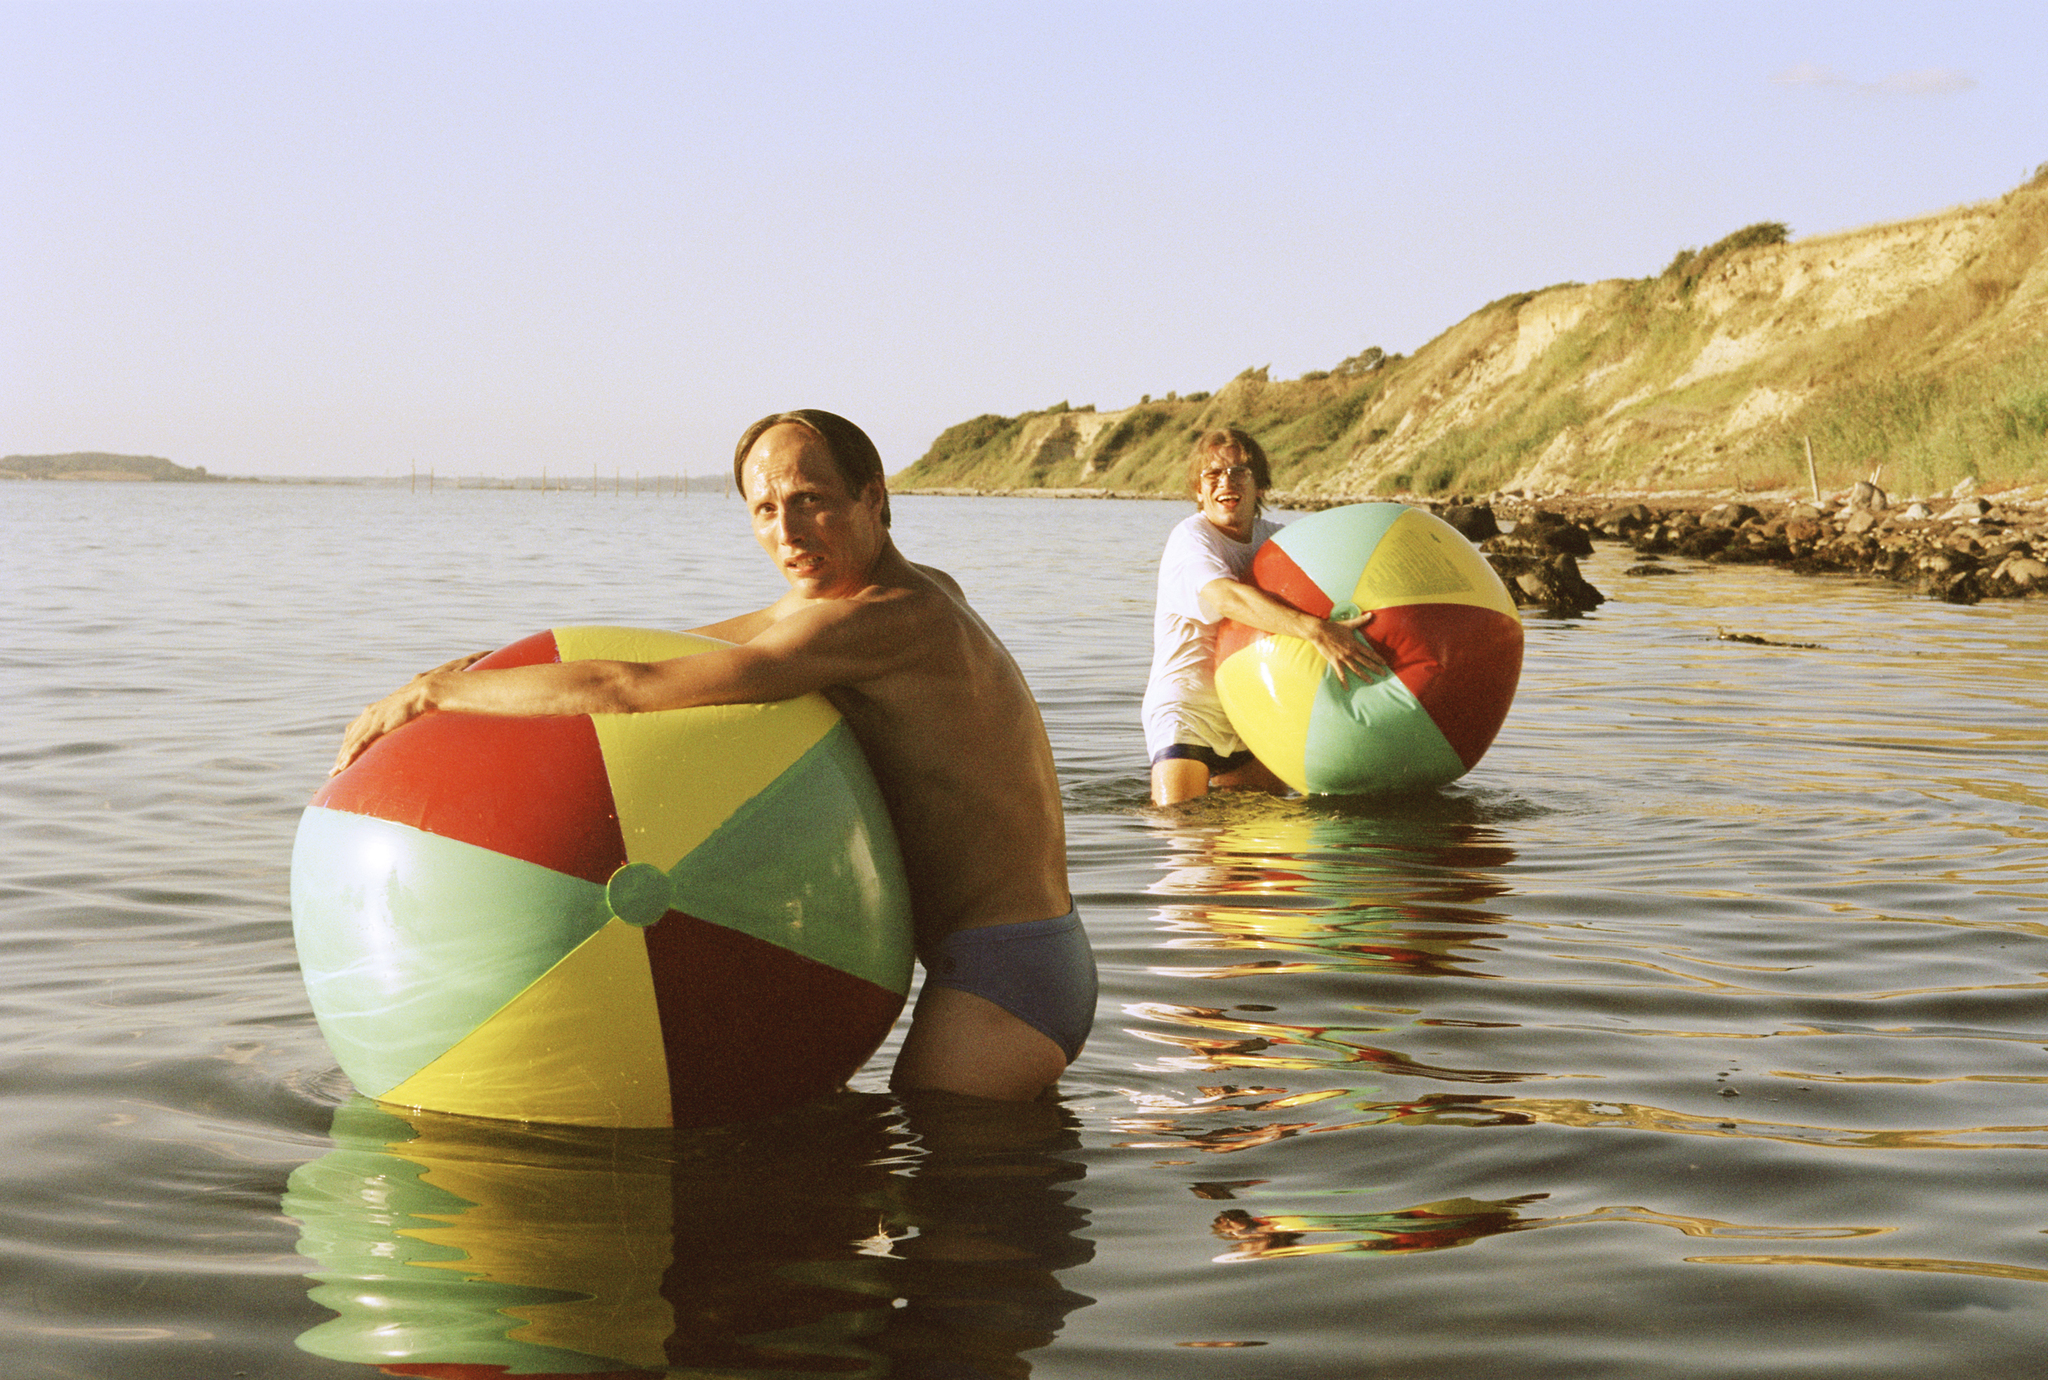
point(327, 238)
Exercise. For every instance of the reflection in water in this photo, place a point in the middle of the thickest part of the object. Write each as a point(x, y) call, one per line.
point(1321, 1046)
point(850, 1237)
point(1190, 1132)
point(1336, 891)
point(1459, 1222)
point(1394, 916)
point(1932, 1267)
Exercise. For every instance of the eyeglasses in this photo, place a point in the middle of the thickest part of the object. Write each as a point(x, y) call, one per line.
point(1229, 474)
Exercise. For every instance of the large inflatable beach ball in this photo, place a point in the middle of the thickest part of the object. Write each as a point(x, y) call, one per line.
point(1443, 621)
point(606, 920)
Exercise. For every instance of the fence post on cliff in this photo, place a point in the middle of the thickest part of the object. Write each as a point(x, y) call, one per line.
point(1812, 476)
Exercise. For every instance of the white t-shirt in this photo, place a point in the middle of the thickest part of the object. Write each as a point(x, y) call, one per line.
point(1180, 699)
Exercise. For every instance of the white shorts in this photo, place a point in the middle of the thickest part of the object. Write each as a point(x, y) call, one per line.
point(1187, 714)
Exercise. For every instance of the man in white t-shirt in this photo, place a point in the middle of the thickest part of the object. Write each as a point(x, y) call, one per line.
point(1201, 583)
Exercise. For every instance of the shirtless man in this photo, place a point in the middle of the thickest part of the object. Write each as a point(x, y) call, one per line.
point(947, 723)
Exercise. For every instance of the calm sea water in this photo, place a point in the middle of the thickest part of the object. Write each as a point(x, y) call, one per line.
point(1699, 1032)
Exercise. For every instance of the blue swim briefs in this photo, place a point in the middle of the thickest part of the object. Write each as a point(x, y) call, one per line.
point(1040, 971)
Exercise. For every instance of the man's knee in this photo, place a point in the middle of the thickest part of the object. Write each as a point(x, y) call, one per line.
point(1175, 779)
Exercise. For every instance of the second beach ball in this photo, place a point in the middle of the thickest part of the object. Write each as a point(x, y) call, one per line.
point(1443, 621)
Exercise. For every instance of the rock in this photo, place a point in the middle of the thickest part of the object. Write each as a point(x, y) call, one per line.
point(1555, 532)
point(1729, 515)
point(1705, 541)
point(1861, 520)
point(1803, 531)
point(1653, 541)
point(1551, 583)
point(2023, 574)
point(1969, 510)
point(1867, 496)
point(1625, 521)
point(1652, 568)
point(1919, 512)
point(1474, 521)
point(1754, 545)
point(1963, 588)
point(1965, 486)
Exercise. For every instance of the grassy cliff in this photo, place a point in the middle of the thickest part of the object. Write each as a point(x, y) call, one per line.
point(1920, 348)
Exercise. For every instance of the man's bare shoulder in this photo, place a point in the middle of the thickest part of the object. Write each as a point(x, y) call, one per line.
point(912, 605)
point(897, 610)
point(902, 593)
point(944, 581)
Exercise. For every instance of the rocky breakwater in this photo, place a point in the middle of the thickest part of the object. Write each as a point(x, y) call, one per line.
point(1959, 548)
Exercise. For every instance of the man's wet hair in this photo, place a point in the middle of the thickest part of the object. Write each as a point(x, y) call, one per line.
point(1232, 444)
point(853, 454)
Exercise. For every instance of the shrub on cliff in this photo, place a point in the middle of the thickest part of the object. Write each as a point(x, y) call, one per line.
point(1764, 232)
point(1133, 427)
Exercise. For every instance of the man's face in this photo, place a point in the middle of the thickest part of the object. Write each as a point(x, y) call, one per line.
point(1228, 494)
point(823, 539)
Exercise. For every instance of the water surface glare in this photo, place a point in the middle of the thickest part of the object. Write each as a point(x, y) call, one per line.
point(1706, 1019)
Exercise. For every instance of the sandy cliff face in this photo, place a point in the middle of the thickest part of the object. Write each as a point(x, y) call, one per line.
point(1664, 381)
point(1920, 345)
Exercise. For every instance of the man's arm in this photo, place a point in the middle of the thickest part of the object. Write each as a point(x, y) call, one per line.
point(842, 642)
point(1336, 639)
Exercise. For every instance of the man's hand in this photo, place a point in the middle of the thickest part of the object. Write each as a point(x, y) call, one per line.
point(395, 710)
point(1339, 642)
